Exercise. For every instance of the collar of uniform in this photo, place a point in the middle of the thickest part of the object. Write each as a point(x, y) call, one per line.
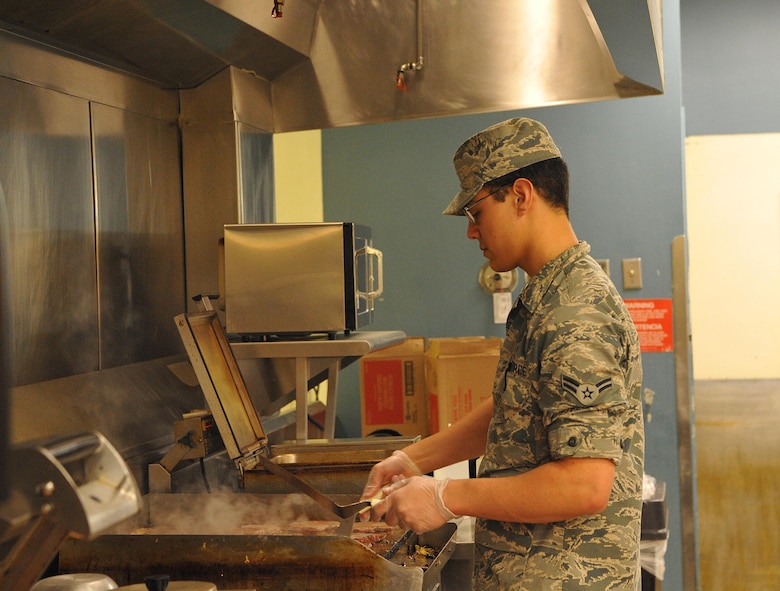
point(534, 290)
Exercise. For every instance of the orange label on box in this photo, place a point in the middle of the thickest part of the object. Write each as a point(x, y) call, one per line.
point(384, 391)
point(653, 321)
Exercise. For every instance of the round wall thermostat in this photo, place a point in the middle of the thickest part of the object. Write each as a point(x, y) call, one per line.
point(495, 281)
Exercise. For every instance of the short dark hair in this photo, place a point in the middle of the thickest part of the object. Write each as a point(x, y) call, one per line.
point(550, 177)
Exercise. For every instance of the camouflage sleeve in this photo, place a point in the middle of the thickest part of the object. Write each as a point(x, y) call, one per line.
point(582, 391)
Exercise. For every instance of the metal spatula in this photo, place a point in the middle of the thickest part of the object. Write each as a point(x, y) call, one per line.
point(341, 511)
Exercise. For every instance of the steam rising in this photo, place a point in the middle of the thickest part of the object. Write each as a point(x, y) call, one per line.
point(198, 514)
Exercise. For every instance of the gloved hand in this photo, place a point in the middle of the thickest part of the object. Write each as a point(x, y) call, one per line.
point(398, 464)
point(415, 503)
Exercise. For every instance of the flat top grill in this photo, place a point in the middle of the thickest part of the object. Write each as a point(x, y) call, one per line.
point(197, 537)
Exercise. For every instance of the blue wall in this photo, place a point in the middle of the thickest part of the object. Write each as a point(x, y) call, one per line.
point(626, 163)
point(731, 66)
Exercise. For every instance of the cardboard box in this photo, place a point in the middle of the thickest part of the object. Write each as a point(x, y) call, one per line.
point(459, 375)
point(392, 390)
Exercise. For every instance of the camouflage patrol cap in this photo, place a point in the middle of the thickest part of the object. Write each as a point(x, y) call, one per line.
point(496, 151)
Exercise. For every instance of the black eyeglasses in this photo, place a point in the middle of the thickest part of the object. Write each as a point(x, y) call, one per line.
point(467, 209)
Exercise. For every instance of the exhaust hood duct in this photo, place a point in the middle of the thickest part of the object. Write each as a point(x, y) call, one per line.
point(332, 63)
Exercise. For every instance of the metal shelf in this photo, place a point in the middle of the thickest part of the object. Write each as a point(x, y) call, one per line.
point(312, 353)
point(355, 344)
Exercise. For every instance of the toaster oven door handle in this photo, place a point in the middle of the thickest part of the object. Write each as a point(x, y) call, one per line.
point(368, 251)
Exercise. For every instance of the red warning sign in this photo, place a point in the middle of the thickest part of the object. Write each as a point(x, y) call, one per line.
point(653, 321)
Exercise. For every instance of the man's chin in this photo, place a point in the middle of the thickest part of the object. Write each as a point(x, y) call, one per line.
point(497, 267)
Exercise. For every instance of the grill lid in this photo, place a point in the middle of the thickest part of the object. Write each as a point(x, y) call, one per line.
point(223, 387)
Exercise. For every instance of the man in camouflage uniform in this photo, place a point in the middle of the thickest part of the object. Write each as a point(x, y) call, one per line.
point(558, 498)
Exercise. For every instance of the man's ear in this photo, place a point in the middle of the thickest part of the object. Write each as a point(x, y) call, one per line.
point(523, 194)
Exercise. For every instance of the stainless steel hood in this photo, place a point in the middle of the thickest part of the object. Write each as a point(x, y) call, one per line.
point(334, 63)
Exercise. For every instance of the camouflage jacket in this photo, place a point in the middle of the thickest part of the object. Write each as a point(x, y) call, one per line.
point(567, 385)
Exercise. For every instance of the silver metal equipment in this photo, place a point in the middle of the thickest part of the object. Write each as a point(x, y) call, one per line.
point(279, 539)
point(67, 487)
point(234, 413)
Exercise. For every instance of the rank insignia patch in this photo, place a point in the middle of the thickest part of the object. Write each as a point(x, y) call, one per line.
point(585, 393)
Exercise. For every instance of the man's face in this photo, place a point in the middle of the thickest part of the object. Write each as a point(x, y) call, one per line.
point(494, 225)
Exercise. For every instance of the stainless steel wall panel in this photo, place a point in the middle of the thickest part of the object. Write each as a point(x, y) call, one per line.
point(38, 65)
point(231, 95)
point(134, 406)
point(211, 101)
point(85, 300)
point(252, 100)
point(227, 163)
point(211, 200)
point(256, 175)
point(140, 235)
point(46, 172)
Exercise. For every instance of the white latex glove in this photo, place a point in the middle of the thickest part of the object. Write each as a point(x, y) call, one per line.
point(398, 464)
point(415, 503)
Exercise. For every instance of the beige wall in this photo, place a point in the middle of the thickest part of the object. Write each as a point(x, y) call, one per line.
point(298, 176)
point(733, 226)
